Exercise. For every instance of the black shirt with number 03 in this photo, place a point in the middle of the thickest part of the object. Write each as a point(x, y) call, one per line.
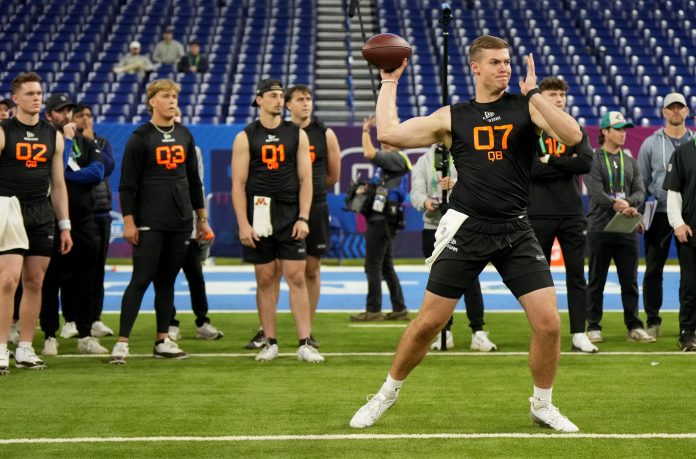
point(491, 151)
point(160, 185)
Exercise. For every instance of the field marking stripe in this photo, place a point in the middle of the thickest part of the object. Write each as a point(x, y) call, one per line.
point(246, 438)
point(390, 354)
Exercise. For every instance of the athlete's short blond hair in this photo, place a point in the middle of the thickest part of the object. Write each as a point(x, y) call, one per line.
point(160, 85)
point(485, 42)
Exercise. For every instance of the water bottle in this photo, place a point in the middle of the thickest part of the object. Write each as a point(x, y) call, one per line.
point(380, 199)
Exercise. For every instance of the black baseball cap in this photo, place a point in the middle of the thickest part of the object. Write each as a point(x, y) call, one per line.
point(58, 101)
point(266, 85)
point(9, 103)
point(81, 106)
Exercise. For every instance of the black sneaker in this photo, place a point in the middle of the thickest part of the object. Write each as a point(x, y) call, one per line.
point(257, 341)
point(313, 342)
point(687, 341)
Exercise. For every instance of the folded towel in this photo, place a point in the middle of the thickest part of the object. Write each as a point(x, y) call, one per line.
point(12, 232)
point(262, 216)
point(448, 227)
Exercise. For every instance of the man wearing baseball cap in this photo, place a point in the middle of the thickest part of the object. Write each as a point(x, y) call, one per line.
point(615, 186)
point(655, 154)
point(265, 86)
point(134, 62)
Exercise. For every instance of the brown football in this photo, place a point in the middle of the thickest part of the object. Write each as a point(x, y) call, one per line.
point(386, 51)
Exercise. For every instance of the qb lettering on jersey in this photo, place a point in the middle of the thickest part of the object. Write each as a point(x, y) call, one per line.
point(31, 153)
point(170, 156)
point(273, 155)
point(485, 139)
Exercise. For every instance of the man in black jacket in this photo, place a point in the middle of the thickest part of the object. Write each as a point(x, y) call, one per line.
point(555, 210)
point(193, 61)
point(70, 273)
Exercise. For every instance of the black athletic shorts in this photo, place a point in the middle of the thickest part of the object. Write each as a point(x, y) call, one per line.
point(516, 255)
point(39, 222)
point(318, 239)
point(280, 245)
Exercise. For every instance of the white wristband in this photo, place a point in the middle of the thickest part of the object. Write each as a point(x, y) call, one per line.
point(64, 225)
point(390, 81)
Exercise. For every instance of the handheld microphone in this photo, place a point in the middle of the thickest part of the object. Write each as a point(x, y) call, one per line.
point(352, 7)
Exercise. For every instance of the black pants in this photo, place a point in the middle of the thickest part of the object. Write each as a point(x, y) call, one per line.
point(70, 275)
point(194, 275)
point(103, 236)
point(473, 298)
point(571, 237)
point(379, 265)
point(657, 242)
point(157, 259)
point(687, 287)
point(623, 249)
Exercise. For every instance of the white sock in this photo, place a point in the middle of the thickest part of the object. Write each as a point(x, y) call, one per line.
point(391, 386)
point(24, 344)
point(543, 395)
point(3, 347)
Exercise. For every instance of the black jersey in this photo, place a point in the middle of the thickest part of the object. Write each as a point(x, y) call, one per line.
point(681, 177)
point(493, 149)
point(318, 151)
point(555, 190)
point(25, 162)
point(273, 161)
point(160, 185)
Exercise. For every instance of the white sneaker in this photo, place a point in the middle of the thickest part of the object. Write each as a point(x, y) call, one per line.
point(547, 415)
point(370, 412)
point(4, 362)
point(50, 347)
point(25, 357)
point(654, 330)
point(268, 353)
point(581, 343)
point(307, 353)
point(207, 331)
point(595, 336)
point(119, 353)
point(638, 334)
point(99, 329)
point(480, 342)
point(14, 333)
point(168, 350)
point(69, 330)
point(90, 345)
point(437, 342)
point(174, 333)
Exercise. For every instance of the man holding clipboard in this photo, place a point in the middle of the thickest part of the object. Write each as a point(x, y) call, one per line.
point(616, 191)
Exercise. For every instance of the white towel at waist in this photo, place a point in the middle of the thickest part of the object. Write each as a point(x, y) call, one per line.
point(12, 232)
point(262, 216)
point(448, 227)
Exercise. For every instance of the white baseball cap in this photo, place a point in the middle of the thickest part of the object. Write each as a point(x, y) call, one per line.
point(134, 44)
point(673, 98)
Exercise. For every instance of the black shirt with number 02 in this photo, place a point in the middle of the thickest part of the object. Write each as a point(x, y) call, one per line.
point(681, 177)
point(25, 162)
point(273, 161)
point(492, 152)
point(160, 185)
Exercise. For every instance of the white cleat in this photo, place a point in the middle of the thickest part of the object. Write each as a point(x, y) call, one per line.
point(25, 357)
point(90, 345)
point(370, 412)
point(119, 353)
point(480, 342)
point(437, 342)
point(174, 333)
point(50, 348)
point(307, 353)
point(69, 330)
point(581, 343)
point(207, 331)
point(4, 362)
point(547, 415)
point(168, 350)
point(268, 352)
point(99, 330)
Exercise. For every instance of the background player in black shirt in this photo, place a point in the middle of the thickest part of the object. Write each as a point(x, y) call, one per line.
point(272, 195)
point(680, 183)
point(31, 159)
point(492, 142)
point(160, 188)
point(555, 210)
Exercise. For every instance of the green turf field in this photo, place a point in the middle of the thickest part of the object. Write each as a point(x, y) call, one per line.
point(222, 392)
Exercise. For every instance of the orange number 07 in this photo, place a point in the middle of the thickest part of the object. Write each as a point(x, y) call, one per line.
point(170, 157)
point(489, 134)
point(31, 153)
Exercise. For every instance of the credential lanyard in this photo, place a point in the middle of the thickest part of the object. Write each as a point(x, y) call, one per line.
point(611, 175)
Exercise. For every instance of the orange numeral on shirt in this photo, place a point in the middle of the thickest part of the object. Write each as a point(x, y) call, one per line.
point(31, 153)
point(273, 155)
point(312, 154)
point(488, 143)
point(170, 156)
point(554, 147)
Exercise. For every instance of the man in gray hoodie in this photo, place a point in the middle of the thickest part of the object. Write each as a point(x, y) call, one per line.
point(654, 156)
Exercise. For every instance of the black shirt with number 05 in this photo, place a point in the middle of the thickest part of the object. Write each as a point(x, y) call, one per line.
point(160, 185)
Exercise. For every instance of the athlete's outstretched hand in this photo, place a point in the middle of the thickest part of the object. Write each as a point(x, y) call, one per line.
point(300, 230)
point(247, 236)
point(394, 74)
point(531, 81)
